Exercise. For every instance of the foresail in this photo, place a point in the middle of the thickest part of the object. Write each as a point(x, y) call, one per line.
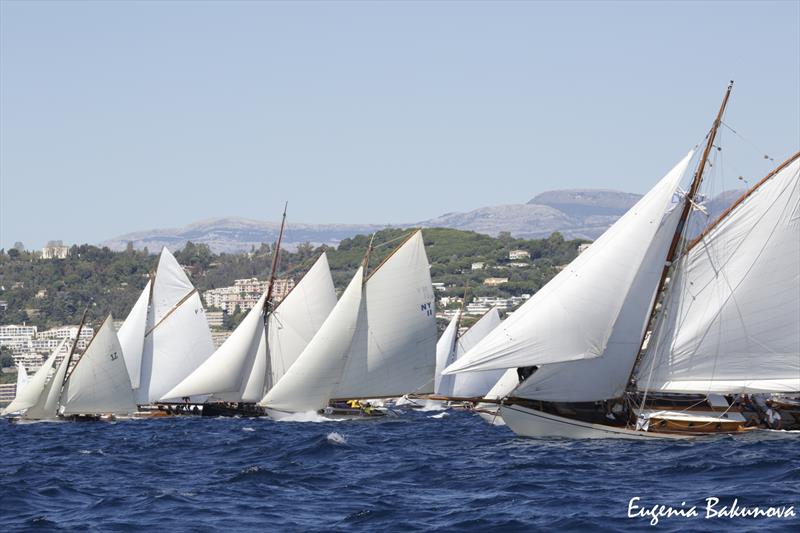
point(731, 322)
point(601, 378)
point(99, 383)
point(309, 382)
point(572, 317)
point(131, 336)
point(298, 317)
point(397, 353)
point(228, 367)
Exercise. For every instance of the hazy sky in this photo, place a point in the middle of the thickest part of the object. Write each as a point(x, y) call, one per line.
point(117, 116)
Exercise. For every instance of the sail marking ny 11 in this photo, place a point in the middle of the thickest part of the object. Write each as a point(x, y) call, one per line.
point(574, 315)
point(31, 393)
point(393, 349)
point(731, 322)
point(99, 382)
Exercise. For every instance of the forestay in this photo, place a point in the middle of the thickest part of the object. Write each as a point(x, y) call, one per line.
point(573, 316)
point(99, 383)
point(732, 319)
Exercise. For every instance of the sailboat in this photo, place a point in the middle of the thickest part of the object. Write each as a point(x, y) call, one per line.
point(377, 342)
point(244, 367)
point(99, 383)
point(460, 389)
point(166, 335)
point(578, 340)
point(31, 398)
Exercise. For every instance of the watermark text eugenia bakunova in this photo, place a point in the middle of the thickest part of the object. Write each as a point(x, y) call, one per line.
point(711, 508)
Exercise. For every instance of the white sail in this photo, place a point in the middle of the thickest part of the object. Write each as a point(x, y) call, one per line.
point(309, 382)
point(731, 322)
point(178, 339)
point(30, 394)
point(227, 368)
point(295, 320)
point(446, 356)
point(255, 386)
point(471, 384)
point(99, 383)
point(22, 378)
point(573, 316)
point(46, 406)
point(396, 352)
point(131, 336)
point(605, 377)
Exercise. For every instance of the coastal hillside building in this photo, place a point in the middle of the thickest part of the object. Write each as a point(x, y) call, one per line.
point(493, 282)
point(55, 250)
point(480, 265)
point(63, 332)
point(215, 318)
point(245, 293)
point(516, 255)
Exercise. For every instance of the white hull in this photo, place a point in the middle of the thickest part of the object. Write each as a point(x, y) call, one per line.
point(537, 424)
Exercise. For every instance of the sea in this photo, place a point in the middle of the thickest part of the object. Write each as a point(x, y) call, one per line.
point(421, 471)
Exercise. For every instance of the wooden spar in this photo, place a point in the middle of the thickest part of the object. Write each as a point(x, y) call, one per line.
point(689, 200)
point(268, 300)
point(461, 311)
point(741, 199)
point(275, 258)
point(75, 344)
point(172, 310)
point(365, 261)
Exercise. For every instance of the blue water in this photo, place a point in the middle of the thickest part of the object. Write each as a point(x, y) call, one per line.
point(414, 473)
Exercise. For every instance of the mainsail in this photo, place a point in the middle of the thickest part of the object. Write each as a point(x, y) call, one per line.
point(30, 394)
point(731, 320)
point(573, 317)
point(99, 382)
point(177, 339)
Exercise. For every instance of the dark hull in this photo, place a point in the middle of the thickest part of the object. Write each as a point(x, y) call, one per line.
point(233, 409)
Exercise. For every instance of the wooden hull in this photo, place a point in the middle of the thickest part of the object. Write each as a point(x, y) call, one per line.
point(531, 423)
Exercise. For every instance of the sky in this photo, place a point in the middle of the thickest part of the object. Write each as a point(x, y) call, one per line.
point(125, 116)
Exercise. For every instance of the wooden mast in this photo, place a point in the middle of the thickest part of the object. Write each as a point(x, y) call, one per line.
point(75, 345)
point(679, 229)
point(275, 259)
point(268, 300)
point(365, 262)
